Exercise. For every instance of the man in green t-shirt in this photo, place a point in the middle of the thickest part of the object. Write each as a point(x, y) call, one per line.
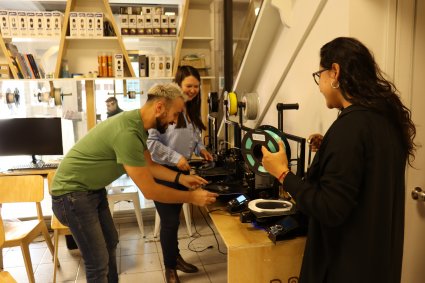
point(112, 148)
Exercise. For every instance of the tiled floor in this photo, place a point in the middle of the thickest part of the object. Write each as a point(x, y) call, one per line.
point(139, 259)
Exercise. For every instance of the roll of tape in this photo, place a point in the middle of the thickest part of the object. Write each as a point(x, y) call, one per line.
point(251, 106)
point(252, 142)
point(232, 103)
point(57, 96)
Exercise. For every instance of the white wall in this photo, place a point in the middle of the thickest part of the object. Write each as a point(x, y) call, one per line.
point(370, 21)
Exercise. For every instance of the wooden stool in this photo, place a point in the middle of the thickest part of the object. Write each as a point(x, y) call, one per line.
point(58, 229)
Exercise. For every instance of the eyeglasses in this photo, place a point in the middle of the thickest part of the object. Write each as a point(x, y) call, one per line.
point(316, 76)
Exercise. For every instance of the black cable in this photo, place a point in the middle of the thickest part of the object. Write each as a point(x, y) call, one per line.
point(197, 235)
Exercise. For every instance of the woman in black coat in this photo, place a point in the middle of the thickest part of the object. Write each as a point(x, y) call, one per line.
point(354, 190)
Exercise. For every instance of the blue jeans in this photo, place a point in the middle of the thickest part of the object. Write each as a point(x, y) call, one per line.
point(89, 219)
point(169, 214)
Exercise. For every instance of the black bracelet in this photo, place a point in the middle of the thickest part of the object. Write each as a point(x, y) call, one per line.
point(176, 180)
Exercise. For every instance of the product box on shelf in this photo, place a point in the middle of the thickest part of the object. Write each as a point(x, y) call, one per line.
point(146, 10)
point(13, 23)
point(140, 24)
point(172, 24)
point(132, 24)
point(168, 60)
point(4, 71)
point(57, 23)
point(73, 24)
point(198, 63)
point(160, 70)
point(31, 24)
point(143, 66)
point(148, 24)
point(22, 23)
point(156, 24)
point(48, 23)
point(119, 65)
point(124, 24)
point(90, 21)
point(98, 31)
point(164, 24)
point(153, 66)
point(39, 24)
point(82, 25)
point(5, 29)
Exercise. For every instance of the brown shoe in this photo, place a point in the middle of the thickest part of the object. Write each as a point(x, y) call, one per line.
point(184, 266)
point(171, 276)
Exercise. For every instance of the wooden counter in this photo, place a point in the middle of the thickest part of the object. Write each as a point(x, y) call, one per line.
point(253, 257)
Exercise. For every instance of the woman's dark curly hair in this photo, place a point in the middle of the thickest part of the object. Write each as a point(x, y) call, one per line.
point(362, 83)
point(193, 107)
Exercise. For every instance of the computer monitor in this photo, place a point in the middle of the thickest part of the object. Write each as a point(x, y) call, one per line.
point(31, 136)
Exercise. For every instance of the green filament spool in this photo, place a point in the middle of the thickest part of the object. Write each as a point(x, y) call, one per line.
point(252, 142)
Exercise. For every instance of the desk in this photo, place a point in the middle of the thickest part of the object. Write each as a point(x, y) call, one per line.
point(252, 256)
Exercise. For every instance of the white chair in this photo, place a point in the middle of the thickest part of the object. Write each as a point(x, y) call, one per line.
point(186, 212)
point(126, 193)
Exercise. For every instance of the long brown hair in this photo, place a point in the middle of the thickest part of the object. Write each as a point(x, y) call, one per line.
point(362, 83)
point(193, 107)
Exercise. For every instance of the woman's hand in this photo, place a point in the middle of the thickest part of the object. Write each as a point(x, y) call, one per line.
point(275, 163)
point(183, 164)
point(314, 141)
point(206, 155)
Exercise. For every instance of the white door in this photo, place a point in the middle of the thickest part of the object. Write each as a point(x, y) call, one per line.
point(414, 247)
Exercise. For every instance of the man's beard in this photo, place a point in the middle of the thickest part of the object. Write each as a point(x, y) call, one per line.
point(160, 127)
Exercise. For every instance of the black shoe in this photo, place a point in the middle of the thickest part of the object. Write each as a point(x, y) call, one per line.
point(171, 276)
point(184, 266)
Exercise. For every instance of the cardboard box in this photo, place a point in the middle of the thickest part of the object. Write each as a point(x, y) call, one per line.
point(172, 24)
point(156, 24)
point(57, 18)
point(4, 26)
point(13, 23)
point(198, 63)
point(82, 24)
point(48, 23)
point(31, 24)
point(132, 24)
point(90, 22)
point(143, 66)
point(140, 24)
point(168, 60)
point(98, 29)
point(164, 24)
point(39, 24)
point(73, 24)
point(147, 10)
point(148, 24)
point(152, 66)
point(22, 23)
point(124, 24)
point(119, 65)
point(160, 71)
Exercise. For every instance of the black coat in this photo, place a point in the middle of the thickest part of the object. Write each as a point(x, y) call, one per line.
point(354, 197)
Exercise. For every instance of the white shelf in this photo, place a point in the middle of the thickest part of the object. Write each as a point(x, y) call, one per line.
point(129, 38)
point(198, 38)
point(91, 38)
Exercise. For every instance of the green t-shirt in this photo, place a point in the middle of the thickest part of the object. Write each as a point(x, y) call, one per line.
point(97, 159)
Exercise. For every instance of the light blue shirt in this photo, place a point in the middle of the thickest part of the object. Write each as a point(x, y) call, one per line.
point(168, 148)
